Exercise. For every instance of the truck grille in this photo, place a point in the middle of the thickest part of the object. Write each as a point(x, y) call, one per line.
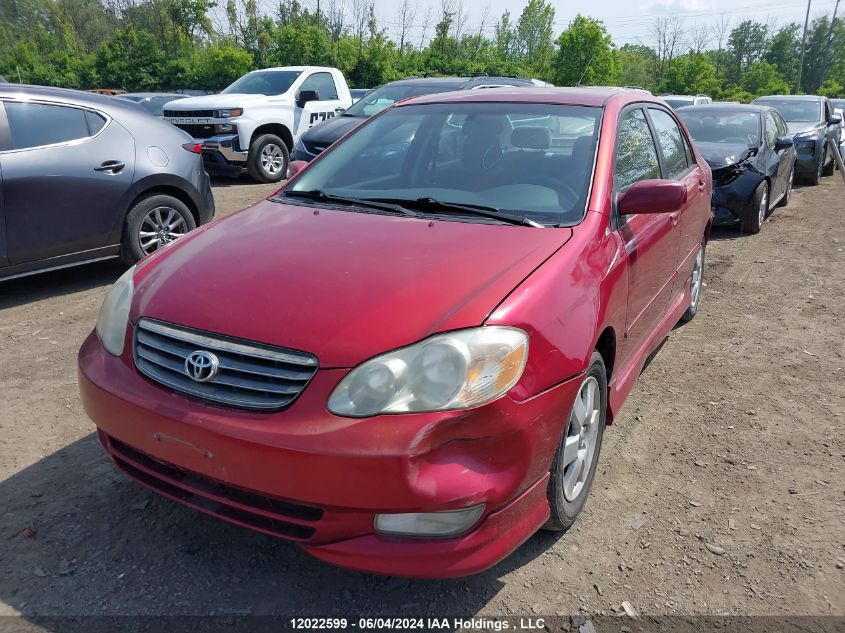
point(198, 130)
point(226, 371)
point(204, 114)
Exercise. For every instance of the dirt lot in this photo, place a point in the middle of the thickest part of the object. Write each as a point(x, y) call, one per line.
point(721, 487)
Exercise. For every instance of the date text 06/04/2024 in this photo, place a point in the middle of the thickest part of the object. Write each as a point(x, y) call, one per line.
point(423, 624)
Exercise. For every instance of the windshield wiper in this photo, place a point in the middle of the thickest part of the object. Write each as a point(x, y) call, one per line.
point(434, 205)
point(322, 196)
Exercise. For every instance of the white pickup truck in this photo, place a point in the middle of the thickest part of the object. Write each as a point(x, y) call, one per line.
point(255, 122)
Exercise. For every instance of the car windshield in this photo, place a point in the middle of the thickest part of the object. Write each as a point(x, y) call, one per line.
point(532, 161)
point(679, 103)
point(264, 82)
point(713, 126)
point(795, 110)
point(385, 96)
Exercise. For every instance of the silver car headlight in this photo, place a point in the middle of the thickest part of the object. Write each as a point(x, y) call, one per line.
point(114, 313)
point(456, 370)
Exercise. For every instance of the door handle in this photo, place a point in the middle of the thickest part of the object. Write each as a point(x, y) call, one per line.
point(701, 186)
point(111, 166)
point(339, 110)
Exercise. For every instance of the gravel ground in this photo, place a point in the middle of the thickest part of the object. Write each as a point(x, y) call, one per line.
point(721, 486)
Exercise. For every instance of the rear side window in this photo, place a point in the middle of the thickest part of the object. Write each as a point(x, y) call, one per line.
point(671, 142)
point(771, 129)
point(36, 124)
point(323, 83)
point(95, 122)
point(636, 155)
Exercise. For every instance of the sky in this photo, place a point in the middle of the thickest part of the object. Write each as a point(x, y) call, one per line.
point(628, 21)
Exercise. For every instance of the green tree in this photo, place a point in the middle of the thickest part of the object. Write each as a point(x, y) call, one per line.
point(585, 54)
point(218, 65)
point(636, 66)
point(131, 60)
point(784, 52)
point(746, 45)
point(690, 74)
point(763, 78)
point(534, 36)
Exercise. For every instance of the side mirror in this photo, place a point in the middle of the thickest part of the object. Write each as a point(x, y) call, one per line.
point(295, 167)
point(652, 196)
point(784, 142)
point(834, 119)
point(305, 96)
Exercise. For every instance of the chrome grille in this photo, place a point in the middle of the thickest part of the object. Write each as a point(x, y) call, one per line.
point(249, 375)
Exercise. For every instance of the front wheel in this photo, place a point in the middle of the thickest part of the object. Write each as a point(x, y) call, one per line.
point(830, 168)
point(574, 465)
point(756, 212)
point(268, 159)
point(817, 177)
point(696, 283)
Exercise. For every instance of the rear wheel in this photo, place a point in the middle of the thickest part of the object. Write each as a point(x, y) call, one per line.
point(756, 212)
point(696, 283)
point(152, 223)
point(574, 465)
point(268, 159)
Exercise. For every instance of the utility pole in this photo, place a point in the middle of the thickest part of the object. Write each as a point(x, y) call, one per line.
point(803, 48)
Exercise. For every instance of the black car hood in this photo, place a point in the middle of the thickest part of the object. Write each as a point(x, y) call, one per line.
point(720, 155)
point(804, 128)
point(328, 131)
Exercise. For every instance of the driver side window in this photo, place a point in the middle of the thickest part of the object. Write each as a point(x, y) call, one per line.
point(323, 83)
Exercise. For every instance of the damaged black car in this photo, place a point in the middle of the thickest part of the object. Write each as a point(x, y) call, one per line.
point(752, 156)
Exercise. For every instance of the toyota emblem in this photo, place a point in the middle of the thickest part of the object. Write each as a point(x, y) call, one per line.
point(201, 366)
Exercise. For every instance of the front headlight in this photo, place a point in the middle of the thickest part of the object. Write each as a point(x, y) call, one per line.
point(230, 113)
point(114, 314)
point(456, 370)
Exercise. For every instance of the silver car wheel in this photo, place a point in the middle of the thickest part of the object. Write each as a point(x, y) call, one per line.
point(272, 159)
point(789, 184)
point(579, 446)
point(764, 205)
point(161, 226)
point(697, 278)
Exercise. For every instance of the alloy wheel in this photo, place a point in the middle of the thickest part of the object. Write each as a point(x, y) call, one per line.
point(764, 205)
point(697, 278)
point(161, 226)
point(579, 447)
point(271, 159)
point(789, 184)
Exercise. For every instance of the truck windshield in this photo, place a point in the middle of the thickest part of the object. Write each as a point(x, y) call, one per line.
point(264, 82)
point(795, 110)
point(526, 160)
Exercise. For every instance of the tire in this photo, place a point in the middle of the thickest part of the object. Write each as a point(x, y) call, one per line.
point(152, 223)
point(696, 284)
point(568, 489)
point(268, 159)
point(757, 210)
point(816, 177)
point(787, 195)
point(830, 168)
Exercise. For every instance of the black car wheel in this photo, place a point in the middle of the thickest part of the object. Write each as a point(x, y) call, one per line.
point(816, 177)
point(756, 211)
point(828, 169)
point(153, 223)
point(268, 159)
point(574, 465)
point(788, 193)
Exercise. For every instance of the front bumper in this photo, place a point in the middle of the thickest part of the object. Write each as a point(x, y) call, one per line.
point(730, 202)
point(308, 476)
point(227, 146)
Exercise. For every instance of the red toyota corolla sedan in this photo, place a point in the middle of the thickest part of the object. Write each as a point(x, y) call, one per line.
point(404, 360)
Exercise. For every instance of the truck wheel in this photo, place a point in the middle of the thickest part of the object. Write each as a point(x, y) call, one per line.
point(757, 209)
point(153, 222)
point(574, 464)
point(268, 159)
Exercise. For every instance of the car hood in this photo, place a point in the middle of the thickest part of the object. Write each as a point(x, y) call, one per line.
point(800, 127)
point(328, 131)
point(342, 285)
point(208, 102)
point(720, 155)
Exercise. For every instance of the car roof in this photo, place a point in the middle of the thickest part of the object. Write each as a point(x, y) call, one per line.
point(175, 95)
point(92, 100)
point(461, 82)
point(586, 96)
point(729, 107)
point(791, 97)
